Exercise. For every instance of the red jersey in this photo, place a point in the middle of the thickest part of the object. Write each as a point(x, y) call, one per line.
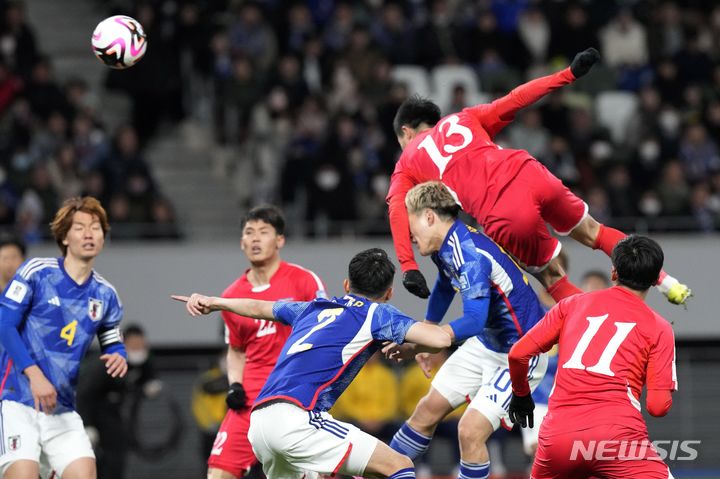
point(459, 150)
point(610, 345)
point(263, 340)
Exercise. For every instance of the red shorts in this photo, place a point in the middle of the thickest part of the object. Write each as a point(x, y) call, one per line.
point(608, 452)
point(518, 219)
point(231, 451)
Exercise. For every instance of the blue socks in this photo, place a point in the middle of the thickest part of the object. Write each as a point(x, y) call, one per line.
point(408, 473)
point(469, 470)
point(410, 442)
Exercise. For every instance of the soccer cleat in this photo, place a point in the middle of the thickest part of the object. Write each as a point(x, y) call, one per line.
point(678, 293)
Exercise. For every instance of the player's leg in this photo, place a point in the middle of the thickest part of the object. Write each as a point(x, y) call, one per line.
point(474, 430)
point(231, 456)
point(67, 446)
point(568, 215)
point(19, 441)
point(457, 380)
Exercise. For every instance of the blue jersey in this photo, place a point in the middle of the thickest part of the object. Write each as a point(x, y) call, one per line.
point(474, 265)
point(57, 320)
point(331, 340)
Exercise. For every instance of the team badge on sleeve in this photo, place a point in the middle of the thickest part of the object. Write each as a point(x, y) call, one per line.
point(95, 309)
point(16, 291)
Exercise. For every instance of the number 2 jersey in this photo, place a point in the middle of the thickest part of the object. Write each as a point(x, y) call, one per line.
point(262, 340)
point(331, 341)
point(58, 320)
point(610, 345)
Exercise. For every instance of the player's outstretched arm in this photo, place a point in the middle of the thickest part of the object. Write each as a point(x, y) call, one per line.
point(430, 337)
point(532, 91)
point(198, 305)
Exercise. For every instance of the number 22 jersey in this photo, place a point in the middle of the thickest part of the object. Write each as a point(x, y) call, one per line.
point(331, 341)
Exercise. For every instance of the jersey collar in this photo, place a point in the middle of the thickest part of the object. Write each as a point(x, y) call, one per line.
point(61, 263)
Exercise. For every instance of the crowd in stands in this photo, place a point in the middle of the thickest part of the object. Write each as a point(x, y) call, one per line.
point(53, 146)
point(304, 94)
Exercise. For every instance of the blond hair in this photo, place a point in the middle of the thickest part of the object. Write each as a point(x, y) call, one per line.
point(62, 222)
point(432, 195)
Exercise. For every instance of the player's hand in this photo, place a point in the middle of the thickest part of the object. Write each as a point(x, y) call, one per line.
point(584, 61)
point(197, 304)
point(115, 364)
point(236, 398)
point(43, 392)
point(521, 410)
point(414, 281)
point(399, 352)
point(424, 361)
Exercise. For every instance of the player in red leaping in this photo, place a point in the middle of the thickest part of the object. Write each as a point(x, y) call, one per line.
point(254, 345)
point(512, 195)
point(610, 344)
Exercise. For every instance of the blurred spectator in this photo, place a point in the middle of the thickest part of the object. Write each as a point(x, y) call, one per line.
point(575, 30)
point(394, 34)
point(251, 35)
point(371, 400)
point(208, 403)
point(702, 210)
point(17, 40)
point(624, 42)
point(534, 32)
point(621, 193)
point(594, 280)
point(699, 153)
point(529, 134)
point(673, 191)
point(12, 255)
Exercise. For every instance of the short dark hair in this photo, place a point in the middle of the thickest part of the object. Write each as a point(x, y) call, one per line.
point(637, 261)
point(133, 330)
point(269, 214)
point(371, 273)
point(415, 111)
point(12, 240)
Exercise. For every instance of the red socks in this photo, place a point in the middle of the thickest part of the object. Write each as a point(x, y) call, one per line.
point(562, 289)
point(607, 238)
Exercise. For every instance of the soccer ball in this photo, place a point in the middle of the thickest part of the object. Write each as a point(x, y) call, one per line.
point(119, 41)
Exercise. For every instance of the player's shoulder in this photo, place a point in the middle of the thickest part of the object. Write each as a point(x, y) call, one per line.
point(237, 287)
point(105, 286)
point(299, 271)
point(38, 267)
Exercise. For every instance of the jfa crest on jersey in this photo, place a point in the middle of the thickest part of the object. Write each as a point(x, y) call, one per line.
point(95, 309)
point(59, 320)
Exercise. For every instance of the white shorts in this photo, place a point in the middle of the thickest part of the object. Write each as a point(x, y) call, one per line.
point(481, 377)
point(27, 434)
point(289, 441)
point(530, 435)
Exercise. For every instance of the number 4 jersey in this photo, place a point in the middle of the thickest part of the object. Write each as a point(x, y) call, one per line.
point(59, 319)
point(610, 345)
point(331, 341)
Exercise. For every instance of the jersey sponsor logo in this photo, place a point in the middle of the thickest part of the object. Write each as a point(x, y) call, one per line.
point(14, 443)
point(16, 291)
point(55, 301)
point(95, 309)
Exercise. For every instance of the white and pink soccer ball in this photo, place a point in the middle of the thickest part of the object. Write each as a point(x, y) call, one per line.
point(119, 41)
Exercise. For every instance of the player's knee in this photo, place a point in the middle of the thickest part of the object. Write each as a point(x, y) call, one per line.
point(427, 415)
point(83, 468)
point(401, 461)
point(22, 469)
point(469, 433)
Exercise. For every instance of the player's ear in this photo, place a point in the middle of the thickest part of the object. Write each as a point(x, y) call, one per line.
point(346, 285)
point(280, 241)
point(429, 216)
point(408, 133)
point(388, 294)
point(613, 275)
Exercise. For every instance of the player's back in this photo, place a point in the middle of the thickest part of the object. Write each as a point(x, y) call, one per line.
point(607, 341)
point(330, 342)
point(460, 152)
point(60, 321)
point(473, 260)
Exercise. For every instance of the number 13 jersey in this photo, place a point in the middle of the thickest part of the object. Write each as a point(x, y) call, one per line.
point(60, 318)
point(459, 151)
point(331, 341)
